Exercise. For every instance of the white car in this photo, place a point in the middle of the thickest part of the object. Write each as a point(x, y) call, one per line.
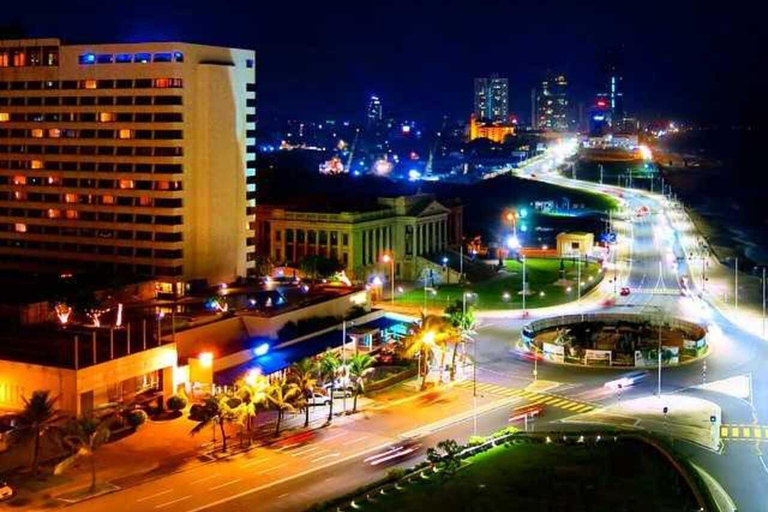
point(6, 491)
point(319, 399)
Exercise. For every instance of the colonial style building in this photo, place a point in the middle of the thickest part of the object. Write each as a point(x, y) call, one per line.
point(405, 228)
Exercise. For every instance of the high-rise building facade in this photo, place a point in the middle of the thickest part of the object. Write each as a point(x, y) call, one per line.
point(612, 83)
point(135, 158)
point(491, 99)
point(374, 112)
point(552, 108)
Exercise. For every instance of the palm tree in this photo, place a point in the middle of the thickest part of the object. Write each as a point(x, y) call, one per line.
point(84, 436)
point(329, 366)
point(252, 393)
point(303, 373)
point(36, 419)
point(283, 396)
point(359, 370)
point(433, 333)
point(463, 319)
point(216, 410)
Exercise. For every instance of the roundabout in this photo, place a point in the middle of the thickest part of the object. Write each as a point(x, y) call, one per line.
point(615, 340)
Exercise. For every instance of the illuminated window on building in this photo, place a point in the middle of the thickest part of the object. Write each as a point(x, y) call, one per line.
point(125, 134)
point(20, 228)
point(34, 56)
point(107, 199)
point(142, 58)
point(54, 214)
point(20, 196)
point(163, 57)
point(145, 201)
point(54, 180)
point(86, 58)
point(71, 214)
point(106, 117)
point(105, 58)
point(19, 58)
point(51, 56)
point(165, 83)
point(88, 84)
point(36, 164)
point(126, 184)
point(5, 117)
point(4, 60)
point(37, 133)
point(178, 56)
point(70, 198)
point(19, 180)
point(123, 58)
point(162, 185)
point(54, 133)
point(249, 63)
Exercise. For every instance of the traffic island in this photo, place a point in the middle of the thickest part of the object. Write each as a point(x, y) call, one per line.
point(615, 340)
point(681, 417)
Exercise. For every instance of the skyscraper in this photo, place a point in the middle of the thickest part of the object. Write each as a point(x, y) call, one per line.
point(135, 158)
point(611, 83)
point(374, 112)
point(491, 99)
point(552, 104)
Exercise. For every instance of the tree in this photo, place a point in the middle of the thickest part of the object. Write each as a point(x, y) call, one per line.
point(216, 410)
point(359, 370)
point(318, 265)
point(445, 456)
point(252, 393)
point(303, 373)
point(463, 319)
point(282, 397)
point(434, 332)
point(35, 421)
point(328, 368)
point(84, 436)
point(176, 403)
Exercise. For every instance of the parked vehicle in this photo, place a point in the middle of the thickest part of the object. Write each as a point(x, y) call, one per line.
point(319, 399)
point(624, 291)
point(6, 491)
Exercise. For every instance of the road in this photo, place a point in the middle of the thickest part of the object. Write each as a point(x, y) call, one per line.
point(294, 477)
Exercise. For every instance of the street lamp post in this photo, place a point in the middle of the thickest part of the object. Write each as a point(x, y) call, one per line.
point(659, 384)
point(524, 287)
point(344, 361)
point(387, 258)
point(474, 365)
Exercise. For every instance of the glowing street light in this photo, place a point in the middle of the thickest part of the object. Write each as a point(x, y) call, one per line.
point(390, 259)
point(513, 242)
point(206, 359)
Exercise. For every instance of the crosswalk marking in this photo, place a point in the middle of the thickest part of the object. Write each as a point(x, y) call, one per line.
point(534, 398)
point(758, 433)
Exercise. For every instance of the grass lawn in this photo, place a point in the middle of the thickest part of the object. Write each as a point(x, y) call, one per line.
point(503, 290)
point(622, 476)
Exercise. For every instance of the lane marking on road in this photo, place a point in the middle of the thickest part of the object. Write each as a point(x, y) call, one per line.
point(328, 456)
point(225, 484)
point(308, 450)
point(168, 503)
point(145, 498)
point(254, 462)
point(362, 438)
point(273, 468)
point(334, 436)
point(204, 478)
point(288, 447)
point(283, 495)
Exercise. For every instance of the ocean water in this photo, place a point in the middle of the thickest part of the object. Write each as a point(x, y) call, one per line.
point(730, 194)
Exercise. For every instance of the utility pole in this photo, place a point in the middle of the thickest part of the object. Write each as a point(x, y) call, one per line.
point(659, 389)
point(601, 173)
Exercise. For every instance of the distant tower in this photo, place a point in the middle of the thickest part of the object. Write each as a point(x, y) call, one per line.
point(491, 99)
point(374, 112)
point(611, 82)
point(533, 108)
point(552, 104)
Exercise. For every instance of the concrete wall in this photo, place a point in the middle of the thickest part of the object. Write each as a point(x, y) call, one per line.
point(19, 380)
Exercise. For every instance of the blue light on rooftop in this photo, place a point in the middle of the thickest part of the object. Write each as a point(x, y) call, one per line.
point(87, 58)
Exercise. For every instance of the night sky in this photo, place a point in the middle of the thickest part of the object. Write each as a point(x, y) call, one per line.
point(320, 60)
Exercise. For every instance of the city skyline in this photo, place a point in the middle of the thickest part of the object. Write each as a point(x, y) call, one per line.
point(402, 60)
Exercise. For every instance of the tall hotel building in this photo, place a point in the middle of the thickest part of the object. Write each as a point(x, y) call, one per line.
point(135, 158)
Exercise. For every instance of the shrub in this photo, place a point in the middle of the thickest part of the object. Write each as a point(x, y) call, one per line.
point(475, 440)
point(135, 418)
point(395, 474)
point(176, 403)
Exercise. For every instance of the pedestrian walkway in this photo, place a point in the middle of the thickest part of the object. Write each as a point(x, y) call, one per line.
point(744, 432)
point(534, 398)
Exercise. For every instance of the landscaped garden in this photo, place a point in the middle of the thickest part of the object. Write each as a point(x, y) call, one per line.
point(533, 475)
point(545, 284)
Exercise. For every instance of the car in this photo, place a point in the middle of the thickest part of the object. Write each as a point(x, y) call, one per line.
point(318, 399)
point(626, 380)
point(526, 411)
point(395, 453)
point(624, 291)
point(6, 491)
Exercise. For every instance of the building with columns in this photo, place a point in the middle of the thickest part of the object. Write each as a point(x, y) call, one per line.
point(407, 227)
